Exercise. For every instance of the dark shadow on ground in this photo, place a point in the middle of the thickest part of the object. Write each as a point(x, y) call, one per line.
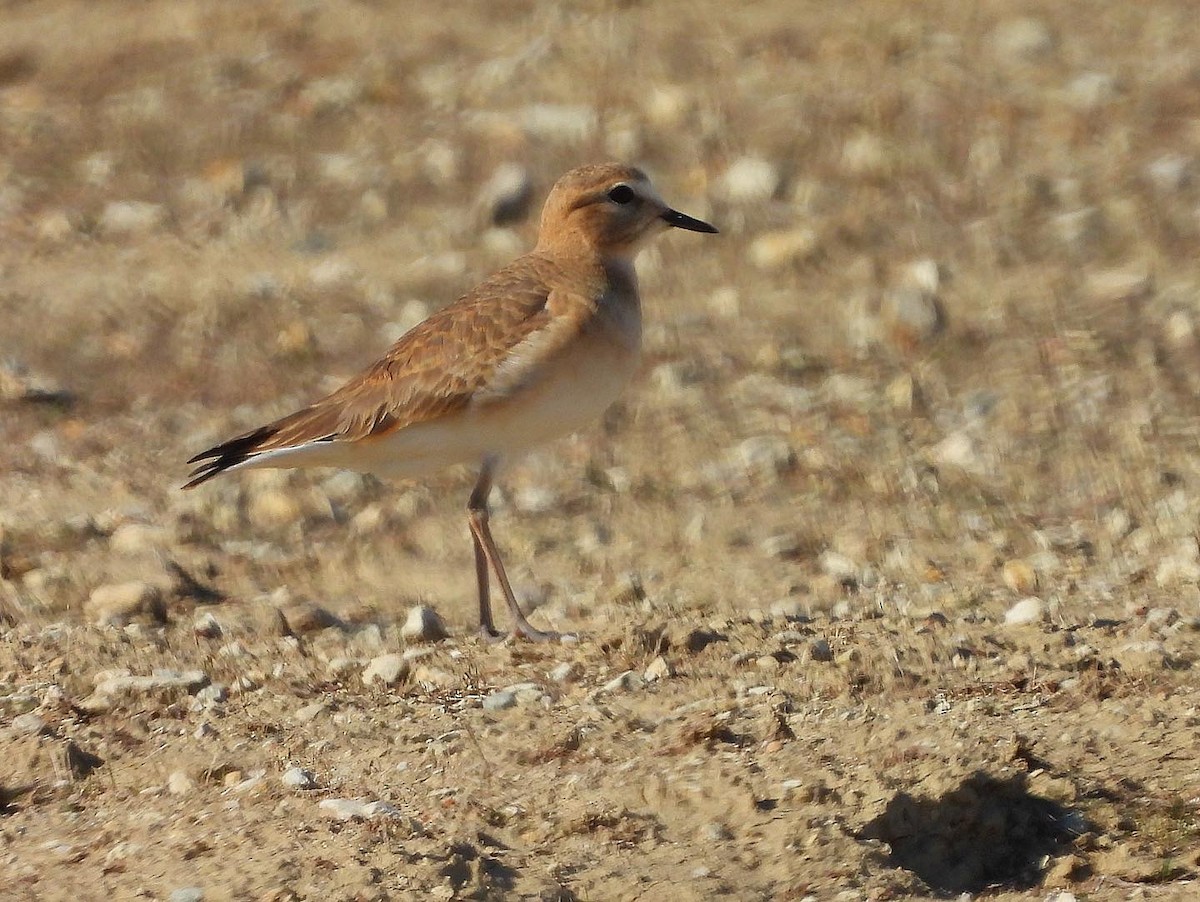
point(985, 833)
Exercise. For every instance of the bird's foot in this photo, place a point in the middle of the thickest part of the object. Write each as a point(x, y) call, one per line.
point(492, 635)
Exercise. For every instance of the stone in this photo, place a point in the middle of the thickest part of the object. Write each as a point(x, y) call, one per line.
point(749, 179)
point(507, 195)
point(31, 724)
point(820, 650)
point(1120, 285)
point(624, 682)
point(659, 669)
point(1019, 577)
point(911, 316)
point(1022, 40)
point(357, 809)
point(1027, 610)
point(387, 669)
point(180, 784)
point(158, 681)
point(1090, 90)
point(786, 546)
point(789, 609)
point(118, 604)
point(1170, 173)
point(297, 778)
point(270, 509)
point(565, 672)
point(206, 626)
point(423, 624)
point(130, 218)
point(777, 249)
point(500, 700)
point(304, 617)
point(136, 538)
point(866, 155)
point(567, 124)
point(186, 894)
point(765, 455)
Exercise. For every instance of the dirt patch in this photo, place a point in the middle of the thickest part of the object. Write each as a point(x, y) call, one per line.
point(884, 574)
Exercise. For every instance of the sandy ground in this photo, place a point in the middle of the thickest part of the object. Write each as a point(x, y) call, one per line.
point(882, 579)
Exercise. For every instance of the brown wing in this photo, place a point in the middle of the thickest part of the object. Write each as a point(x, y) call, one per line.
point(433, 369)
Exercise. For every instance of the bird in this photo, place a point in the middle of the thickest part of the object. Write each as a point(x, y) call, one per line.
point(537, 350)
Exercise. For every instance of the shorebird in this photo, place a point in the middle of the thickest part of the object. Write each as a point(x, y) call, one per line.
point(537, 350)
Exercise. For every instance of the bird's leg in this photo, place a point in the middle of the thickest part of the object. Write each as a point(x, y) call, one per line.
point(477, 505)
point(485, 554)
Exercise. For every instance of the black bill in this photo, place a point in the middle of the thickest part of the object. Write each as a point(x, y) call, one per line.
point(683, 221)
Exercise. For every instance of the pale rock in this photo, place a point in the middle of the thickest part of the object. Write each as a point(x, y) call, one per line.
point(310, 712)
point(117, 604)
point(158, 681)
point(130, 218)
point(31, 724)
point(565, 672)
point(667, 106)
point(507, 195)
point(357, 809)
point(1019, 577)
point(180, 784)
point(624, 682)
point(750, 179)
point(1027, 610)
point(785, 546)
point(206, 626)
point(55, 226)
point(433, 677)
point(1090, 90)
point(387, 669)
point(866, 155)
point(1025, 39)
point(423, 624)
point(960, 450)
point(333, 273)
point(500, 700)
point(1079, 230)
point(562, 123)
point(535, 499)
point(1179, 330)
point(297, 778)
point(838, 565)
point(765, 455)
point(135, 538)
point(1120, 285)
point(272, 508)
point(774, 250)
point(1170, 173)
point(660, 669)
point(789, 609)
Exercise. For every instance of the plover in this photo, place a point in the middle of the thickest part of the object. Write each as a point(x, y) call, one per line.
point(538, 350)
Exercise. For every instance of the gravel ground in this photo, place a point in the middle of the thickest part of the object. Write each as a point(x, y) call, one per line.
point(881, 582)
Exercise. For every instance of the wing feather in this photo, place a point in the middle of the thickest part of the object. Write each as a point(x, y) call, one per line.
point(477, 349)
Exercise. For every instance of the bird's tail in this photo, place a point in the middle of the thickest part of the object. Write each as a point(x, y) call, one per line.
point(227, 455)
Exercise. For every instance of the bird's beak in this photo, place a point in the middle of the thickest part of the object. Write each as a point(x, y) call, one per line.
point(683, 221)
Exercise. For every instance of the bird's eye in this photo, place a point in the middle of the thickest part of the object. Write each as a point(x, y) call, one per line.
point(621, 194)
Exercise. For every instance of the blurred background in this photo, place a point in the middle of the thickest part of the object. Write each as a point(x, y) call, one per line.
point(957, 263)
point(943, 360)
